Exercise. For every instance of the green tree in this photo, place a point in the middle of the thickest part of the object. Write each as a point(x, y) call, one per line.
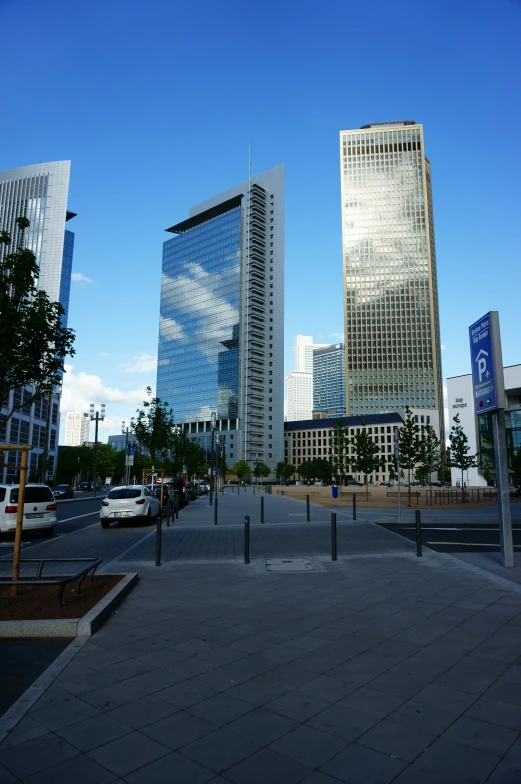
point(459, 451)
point(261, 470)
point(185, 451)
point(429, 454)
point(154, 427)
point(322, 469)
point(409, 442)
point(284, 470)
point(73, 461)
point(516, 464)
point(33, 340)
point(241, 469)
point(107, 461)
point(339, 442)
point(366, 457)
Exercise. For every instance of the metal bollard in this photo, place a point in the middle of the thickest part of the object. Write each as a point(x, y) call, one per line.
point(418, 534)
point(354, 506)
point(211, 495)
point(215, 510)
point(307, 509)
point(159, 528)
point(333, 536)
point(168, 513)
point(254, 489)
point(247, 539)
point(262, 509)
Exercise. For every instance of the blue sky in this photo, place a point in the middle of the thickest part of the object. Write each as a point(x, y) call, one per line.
point(155, 104)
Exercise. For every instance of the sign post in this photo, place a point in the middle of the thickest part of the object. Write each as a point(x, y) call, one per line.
point(488, 387)
point(397, 458)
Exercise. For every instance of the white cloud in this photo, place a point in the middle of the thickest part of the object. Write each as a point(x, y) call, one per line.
point(79, 277)
point(143, 363)
point(339, 336)
point(103, 354)
point(443, 347)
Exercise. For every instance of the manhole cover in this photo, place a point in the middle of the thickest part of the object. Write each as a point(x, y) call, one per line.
point(288, 565)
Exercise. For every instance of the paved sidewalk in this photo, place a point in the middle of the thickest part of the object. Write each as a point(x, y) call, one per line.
point(380, 667)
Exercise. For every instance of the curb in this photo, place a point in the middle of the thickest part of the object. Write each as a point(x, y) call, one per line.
point(72, 627)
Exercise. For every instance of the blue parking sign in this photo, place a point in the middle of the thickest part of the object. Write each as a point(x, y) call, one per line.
point(487, 365)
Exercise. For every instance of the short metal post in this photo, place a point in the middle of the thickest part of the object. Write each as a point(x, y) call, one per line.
point(168, 511)
point(211, 495)
point(215, 510)
point(307, 508)
point(262, 509)
point(247, 540)
point(177, 508)
point(418, 534)
point(158, 541)
point(354, 506)
point(333, 536)
point(254, 488)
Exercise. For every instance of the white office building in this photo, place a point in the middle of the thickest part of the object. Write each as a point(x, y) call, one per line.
point(38, 192)
point(77, 428)
point(299, 382)
point(478, 429)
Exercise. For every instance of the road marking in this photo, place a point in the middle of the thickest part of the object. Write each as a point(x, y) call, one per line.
point(68, 519)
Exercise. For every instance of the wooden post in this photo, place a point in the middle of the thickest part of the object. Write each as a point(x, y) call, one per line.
point(19, 518)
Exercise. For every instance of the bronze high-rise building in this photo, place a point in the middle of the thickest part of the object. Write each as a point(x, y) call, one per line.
point(392, 334)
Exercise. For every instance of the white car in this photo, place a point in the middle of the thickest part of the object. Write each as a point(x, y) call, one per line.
point(131, 501)
point(39, 508)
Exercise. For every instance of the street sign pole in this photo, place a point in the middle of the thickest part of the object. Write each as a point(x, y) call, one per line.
point(397, 456)
point(489, 397)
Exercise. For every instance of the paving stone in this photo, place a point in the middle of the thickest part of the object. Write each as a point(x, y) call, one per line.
point(497, 712)
point(160, 658)
point(80, 770)
point(481, 735)
point(124, 755)
point(327, 688)
point(102, 658)
point(397, 685)
point(185, 694)
point(128, 668)
point(376, 703)
point(319, 778)
point(171, 769)
point(396, 740)
point(360, 765)
point(111, 696)
point(143, 711)
point(422, 669)
point(258, 690)
point(190, 667)
point(443, 697)
point(297, 706)
point(87, 681)
point(64, 713)
point(261, 726)
point(424, 718)
point(36, 755)
point(179, 729)
point(93, 732)
point(506, 692)
point(308, 745)
point(220, 750)
point(25, 730)
point(472, 675)
point(343, 722)
point(221, 709)
point(417, 774)
point(469, 765)
point(507, 772)
point(6, 777)
point(267, 766)
point(222, 655)
point(514, 752)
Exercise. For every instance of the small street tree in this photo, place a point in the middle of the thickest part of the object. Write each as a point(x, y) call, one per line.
point(185, 451)
point(154, 427)
point(429, 454)
point(241, 469)
point(339, 442)
point(33, 341)
point(366, 457)
point(261, 470)
point(409, 443)
point(284, 470)
point(459, 451)
point(516, 465)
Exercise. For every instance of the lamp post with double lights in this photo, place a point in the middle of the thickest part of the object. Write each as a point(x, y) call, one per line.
point(213, 418)
point(97, 417)
point(125, 430)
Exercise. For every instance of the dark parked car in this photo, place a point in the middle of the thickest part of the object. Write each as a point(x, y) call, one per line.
point(191, 491)
point(177, 487)
point(63, 491)
point(85, 486)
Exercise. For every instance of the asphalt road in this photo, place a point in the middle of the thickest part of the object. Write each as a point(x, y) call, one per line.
point(454, 538)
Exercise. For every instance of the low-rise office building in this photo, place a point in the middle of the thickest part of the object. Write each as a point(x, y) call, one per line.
point(312, 439)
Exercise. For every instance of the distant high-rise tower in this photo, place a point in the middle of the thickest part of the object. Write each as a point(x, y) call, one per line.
point(299, 382)
point(38, 192)
point(392, 333)
point(222, 320)
point(77, 428)
point(329, 379)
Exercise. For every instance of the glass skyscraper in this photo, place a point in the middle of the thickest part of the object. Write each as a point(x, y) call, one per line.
point(221, 320)
point(329, 379)
point(38, 192)
point(392, 333)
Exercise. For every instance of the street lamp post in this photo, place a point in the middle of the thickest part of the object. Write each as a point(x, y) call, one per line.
point(257, 470)
point(213, 417)
point(97, 417)
point(125, 430)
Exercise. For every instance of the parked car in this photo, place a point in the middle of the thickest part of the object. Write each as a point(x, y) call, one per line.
point(39, 508)
point(85, 486)
point(132, 501)
point(355, 482)
point(191, 491)
point(156, 491)
point(177, 486)
point(63, 491)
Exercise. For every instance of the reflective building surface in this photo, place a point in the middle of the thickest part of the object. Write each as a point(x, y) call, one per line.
point(329, 379)
point(393, 356)
point(221, 320)
point(38, 192)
